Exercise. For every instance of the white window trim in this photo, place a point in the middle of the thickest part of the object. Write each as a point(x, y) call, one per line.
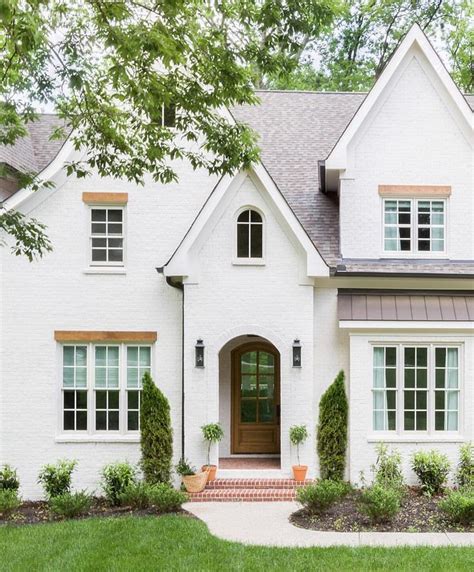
point(430, 435)
point(91, 435)
point(414, 252)
point(240, 261)
point(101, 267)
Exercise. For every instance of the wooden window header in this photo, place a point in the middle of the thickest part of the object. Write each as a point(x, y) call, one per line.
point(99, 336)
point(105, 198)
point(414, 191)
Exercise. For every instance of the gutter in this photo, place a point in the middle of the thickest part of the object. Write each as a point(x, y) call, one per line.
point(179, 286)
point(372, 274)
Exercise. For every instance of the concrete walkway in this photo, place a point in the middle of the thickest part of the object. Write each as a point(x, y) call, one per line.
point(266, 524)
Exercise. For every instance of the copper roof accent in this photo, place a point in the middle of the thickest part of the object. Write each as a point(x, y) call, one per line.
point(405, 306)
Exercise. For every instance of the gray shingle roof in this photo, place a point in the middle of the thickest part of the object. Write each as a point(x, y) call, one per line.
point(296, 129)
point(33, 153)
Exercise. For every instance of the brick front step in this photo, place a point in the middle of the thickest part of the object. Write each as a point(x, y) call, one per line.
point(256, 484)
point(244, 495)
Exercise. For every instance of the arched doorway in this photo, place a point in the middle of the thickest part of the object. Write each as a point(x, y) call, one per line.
point(255, 396)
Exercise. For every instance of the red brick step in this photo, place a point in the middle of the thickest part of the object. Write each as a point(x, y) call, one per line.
point(243, 495)
point(256, 484)
point(248, 490)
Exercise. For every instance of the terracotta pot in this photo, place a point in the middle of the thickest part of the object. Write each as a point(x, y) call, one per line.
point(211, 472)
point(299, 472)
point(195, 483)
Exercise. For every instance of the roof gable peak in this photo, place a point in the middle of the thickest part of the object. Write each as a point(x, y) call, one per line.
point(413, 41)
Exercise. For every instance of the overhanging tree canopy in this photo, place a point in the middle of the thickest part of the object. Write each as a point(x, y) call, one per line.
point(109, 68)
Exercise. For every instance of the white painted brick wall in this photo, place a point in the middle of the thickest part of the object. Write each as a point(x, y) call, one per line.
point(55, 294)
point(411, 138)
point(269, 301)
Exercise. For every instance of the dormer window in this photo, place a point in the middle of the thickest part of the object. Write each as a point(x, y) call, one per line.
point(249, 235)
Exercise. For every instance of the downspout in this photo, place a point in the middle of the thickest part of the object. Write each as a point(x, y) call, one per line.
point(179, 286)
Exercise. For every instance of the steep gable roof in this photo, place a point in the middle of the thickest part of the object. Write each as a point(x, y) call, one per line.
point(296, 130)
point(415, 42)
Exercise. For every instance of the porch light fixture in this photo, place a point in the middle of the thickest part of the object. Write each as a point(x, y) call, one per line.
point(296, 353)
point(199, 353)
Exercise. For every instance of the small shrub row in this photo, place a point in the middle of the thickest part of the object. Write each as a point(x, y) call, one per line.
point(9, 501)
point(318, 497)
point(459, 505)
point(160, 496)
point(432, 469)
point(9, 485)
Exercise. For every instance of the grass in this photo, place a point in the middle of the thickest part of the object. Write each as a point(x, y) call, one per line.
point(178, 543)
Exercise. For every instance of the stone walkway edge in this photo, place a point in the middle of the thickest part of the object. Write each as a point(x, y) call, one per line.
point(267, 524)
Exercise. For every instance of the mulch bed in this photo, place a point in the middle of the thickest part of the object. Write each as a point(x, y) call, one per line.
point(38, 512)
point(418, 513)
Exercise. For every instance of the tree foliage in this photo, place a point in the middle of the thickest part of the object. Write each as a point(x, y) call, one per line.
point(156, 433)
point(332, 430)
point(356, 49)
point(109, 69)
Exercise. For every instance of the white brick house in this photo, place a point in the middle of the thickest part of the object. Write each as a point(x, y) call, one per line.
point(353, 238)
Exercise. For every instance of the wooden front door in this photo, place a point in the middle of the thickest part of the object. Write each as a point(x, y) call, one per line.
point(255, 399)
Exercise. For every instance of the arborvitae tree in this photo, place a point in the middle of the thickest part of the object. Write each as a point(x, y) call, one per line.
point(156, 433)
point(332, 430)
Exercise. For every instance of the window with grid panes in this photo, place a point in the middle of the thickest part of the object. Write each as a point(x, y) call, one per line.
point(107, 236)
point(74, 388)
point(138, 363)
point(416, 388)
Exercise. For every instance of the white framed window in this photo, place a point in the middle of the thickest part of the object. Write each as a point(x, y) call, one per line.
point(414, 225)
point(138, 363)
point(107, 236)
point(101, 387)
point(74, 388)
point(249, 235)
point(416, 388)
point(106, 388)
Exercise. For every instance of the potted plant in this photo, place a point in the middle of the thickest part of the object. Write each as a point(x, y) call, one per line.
point(298, 435)
point(192, 481)
point(212, 433)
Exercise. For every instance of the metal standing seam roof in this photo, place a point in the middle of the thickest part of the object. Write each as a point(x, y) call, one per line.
point(406, 306)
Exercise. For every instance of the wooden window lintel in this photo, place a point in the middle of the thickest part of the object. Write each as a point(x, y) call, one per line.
point(105, 198)
point(103, 336)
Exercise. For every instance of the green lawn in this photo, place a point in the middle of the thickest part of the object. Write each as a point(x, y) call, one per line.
point(180, 543)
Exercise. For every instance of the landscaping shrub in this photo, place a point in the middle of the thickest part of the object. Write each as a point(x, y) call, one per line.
point(160, 495)
point(156, 433)
point(165, 498)
point(9, 479)
point(320, 496)
point(432, 469)
point(380, 503)
point(465, 469)
point(332, 430)
point(56, 479)
point(9, 501)
point(387, 469)
point(116, 477)
point(459, 506)
point(70, 505)
point(136, 495)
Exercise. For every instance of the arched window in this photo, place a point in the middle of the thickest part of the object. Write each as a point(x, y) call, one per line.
point(249, 234)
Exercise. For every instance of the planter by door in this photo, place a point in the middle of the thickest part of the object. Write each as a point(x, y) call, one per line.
point(256, 399)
